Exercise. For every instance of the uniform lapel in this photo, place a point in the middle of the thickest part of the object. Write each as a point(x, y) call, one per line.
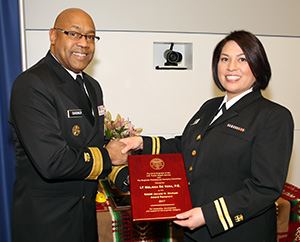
point(69, 87)
point(73, 92)
point(229, 114)
point(246, 100)
point(92, 93)
point(93, 99)
point(211, 113)
point(207, 115)
point(237, 107)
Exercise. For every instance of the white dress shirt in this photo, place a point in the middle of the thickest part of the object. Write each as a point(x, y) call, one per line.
point(229, 103)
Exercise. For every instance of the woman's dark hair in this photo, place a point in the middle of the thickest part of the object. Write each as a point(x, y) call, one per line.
point(255, 55)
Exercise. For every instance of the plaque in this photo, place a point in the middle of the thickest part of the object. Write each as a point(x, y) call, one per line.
point(158, 187)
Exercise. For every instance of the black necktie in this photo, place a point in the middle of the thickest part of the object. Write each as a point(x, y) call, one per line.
point(223, 108)
point(80, 82)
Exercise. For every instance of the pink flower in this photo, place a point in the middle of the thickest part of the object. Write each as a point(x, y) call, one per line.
point(119, 128)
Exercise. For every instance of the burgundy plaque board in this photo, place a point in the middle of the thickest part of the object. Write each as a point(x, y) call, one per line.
point(158, 187)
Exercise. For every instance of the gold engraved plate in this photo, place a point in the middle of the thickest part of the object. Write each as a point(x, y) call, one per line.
point(76, 130)
point(157, 164)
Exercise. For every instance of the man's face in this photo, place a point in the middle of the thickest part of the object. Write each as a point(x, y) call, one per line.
point(74, 55)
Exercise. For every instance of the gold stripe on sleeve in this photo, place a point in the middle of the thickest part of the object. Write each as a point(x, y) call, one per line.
point(157, 145)
point(97, 163)
point(115, 171)
point(153, 145)
point(226, 213)
point(220, 214)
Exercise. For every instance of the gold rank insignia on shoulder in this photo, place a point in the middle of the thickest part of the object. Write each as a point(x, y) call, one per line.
point(87, 157)
point(239, 218)
point(76, 130)
point(237, 128)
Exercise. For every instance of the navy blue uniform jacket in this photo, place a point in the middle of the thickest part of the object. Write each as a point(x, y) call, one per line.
point(236, 167)
point(59, 155)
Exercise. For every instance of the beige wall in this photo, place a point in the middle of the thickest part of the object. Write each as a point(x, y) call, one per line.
point(162, 102)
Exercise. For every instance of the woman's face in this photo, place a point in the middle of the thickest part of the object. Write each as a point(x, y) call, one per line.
point(234, 71)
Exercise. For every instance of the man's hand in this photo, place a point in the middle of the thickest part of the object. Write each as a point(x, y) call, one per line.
point(114, 148)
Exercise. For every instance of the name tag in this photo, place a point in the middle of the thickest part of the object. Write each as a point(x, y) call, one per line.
point(74, 113)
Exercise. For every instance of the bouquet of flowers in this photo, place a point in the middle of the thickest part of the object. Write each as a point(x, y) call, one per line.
point(119, 128)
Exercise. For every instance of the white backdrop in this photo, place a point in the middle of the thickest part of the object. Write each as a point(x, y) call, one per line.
point(162, 101)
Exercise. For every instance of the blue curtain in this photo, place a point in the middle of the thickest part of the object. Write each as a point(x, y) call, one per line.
point(10, 68)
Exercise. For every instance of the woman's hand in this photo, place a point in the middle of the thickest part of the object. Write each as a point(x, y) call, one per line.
point(132, 143)
point(191, 219)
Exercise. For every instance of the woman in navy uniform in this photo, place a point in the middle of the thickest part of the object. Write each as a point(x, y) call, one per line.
point(237, 156)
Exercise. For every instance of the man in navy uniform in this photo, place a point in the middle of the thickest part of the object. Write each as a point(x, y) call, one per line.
point(57, 117)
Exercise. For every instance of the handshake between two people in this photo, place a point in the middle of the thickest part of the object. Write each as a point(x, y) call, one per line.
point(119, 149)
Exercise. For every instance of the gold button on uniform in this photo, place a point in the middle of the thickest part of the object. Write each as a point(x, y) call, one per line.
point(83, 197)
point(194, 153)
point(199, 137)
point(191, 168)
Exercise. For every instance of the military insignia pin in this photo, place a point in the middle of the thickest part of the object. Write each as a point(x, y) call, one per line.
point(76, 130)
point(101, 110)
point(237, 128)
point(87, 157)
